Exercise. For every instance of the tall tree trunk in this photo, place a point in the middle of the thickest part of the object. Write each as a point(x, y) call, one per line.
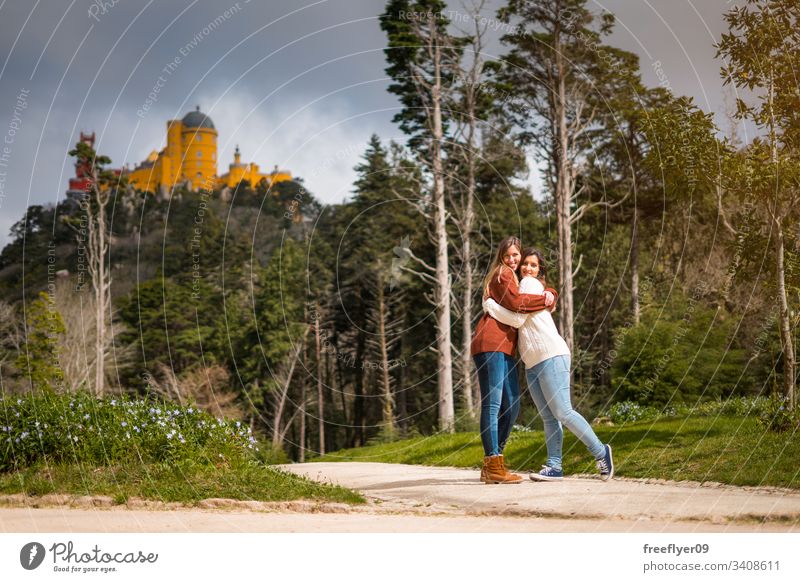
point(563, 195)
point(388, 404)
point(97, 252)
point(471, 87)
point(320, 392)
point(787, 343)
point(100, 296)
point(443, 339)
point(359, 417)
point(301, 455)
point(635, 267)
point(466, 251)
point(401, 397)
point(277, 434)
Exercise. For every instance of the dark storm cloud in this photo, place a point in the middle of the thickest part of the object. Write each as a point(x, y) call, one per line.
point(296, 84)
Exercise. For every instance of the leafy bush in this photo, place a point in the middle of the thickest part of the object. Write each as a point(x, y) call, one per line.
point(734, 406)
point(79, 428)
point(678, 353)
point(623, 412)
point(627, 411)
point(777, 417)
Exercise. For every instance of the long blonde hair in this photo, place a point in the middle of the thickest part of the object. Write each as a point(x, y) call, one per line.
point(498, 265)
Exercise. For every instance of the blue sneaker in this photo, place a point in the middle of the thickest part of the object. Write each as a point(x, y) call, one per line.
point(547, 474)
point(606, 465)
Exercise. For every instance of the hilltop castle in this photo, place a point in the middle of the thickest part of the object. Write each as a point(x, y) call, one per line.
point(189, 158)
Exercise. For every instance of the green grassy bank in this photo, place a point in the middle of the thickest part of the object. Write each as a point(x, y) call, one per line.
point(143, 448)
point(726, 449)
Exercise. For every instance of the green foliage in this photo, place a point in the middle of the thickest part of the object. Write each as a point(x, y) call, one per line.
point(741, 406)
point(78, 428)
point(778, 417)
point(273, 322)
point(183, 481)
point(680, 352)
point(170, 322)
point(627, 411)
point(38, 358)
point(411, 27)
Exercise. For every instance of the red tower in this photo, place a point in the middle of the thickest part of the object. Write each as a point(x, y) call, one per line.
point(81, 182)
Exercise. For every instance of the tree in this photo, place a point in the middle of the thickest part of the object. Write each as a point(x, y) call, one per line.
point(558, 73)
point(423, 59)
point(470, 107)
point(761, 52)
point(103, 185)
point(38, 356)
point(270, 335)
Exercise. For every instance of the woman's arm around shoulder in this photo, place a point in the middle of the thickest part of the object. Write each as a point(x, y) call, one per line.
point(505, 291)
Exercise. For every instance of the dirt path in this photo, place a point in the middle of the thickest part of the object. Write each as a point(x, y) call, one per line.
point(410, 498)
point(600, 504)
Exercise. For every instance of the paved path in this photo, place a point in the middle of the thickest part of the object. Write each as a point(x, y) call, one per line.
point(411, 498)
point(458, 491)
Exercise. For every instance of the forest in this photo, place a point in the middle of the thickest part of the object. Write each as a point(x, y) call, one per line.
point(673, 244)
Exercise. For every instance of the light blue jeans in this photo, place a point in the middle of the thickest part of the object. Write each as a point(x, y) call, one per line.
point(548, 382)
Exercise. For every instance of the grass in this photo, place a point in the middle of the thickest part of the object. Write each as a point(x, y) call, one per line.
point(145, 448)
point(186, 482)
point(731, 450)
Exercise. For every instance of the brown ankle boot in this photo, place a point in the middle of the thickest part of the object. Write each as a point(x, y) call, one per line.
point(506, 471)
point(496, 473)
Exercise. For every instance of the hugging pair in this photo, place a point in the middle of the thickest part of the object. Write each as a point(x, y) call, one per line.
point(518, 315)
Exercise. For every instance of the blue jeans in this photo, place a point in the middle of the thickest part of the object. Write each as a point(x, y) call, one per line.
point(497, 376)
point(548, 382)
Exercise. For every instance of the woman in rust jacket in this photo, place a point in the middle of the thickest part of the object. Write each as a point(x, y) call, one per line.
point(493, 348)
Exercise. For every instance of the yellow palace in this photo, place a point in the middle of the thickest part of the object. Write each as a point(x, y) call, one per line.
point(190, 157)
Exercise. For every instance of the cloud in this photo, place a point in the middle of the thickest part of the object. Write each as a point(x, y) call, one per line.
point(318, 141)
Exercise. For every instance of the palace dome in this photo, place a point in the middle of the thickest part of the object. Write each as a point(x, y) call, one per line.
point(197, 119)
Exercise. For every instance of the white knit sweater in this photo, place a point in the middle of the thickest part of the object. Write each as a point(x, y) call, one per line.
point(538, 337)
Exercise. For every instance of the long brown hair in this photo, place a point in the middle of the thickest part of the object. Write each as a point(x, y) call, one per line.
point(498, 265)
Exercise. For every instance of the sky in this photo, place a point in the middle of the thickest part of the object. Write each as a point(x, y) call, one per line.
point(296, 84)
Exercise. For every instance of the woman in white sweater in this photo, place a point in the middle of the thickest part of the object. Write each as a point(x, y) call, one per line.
point(547, 364)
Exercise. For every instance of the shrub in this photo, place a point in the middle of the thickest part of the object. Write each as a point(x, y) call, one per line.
point(627, 411)
point(777, 417)
point(79, 428)
point(678, 353)
point(623, 412)
point(734, 406)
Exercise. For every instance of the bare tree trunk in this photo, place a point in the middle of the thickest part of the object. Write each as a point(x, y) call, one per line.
point(97, 251)
point(471, 87)
point(444, 344)
point(320, 393)
point(466, 251)
point(301, 457)
point(100, 290)
point(787, 344)
point(635, 268)
point(277, 434)
point(563, 195)
point(388, 403)
point(359, 414)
